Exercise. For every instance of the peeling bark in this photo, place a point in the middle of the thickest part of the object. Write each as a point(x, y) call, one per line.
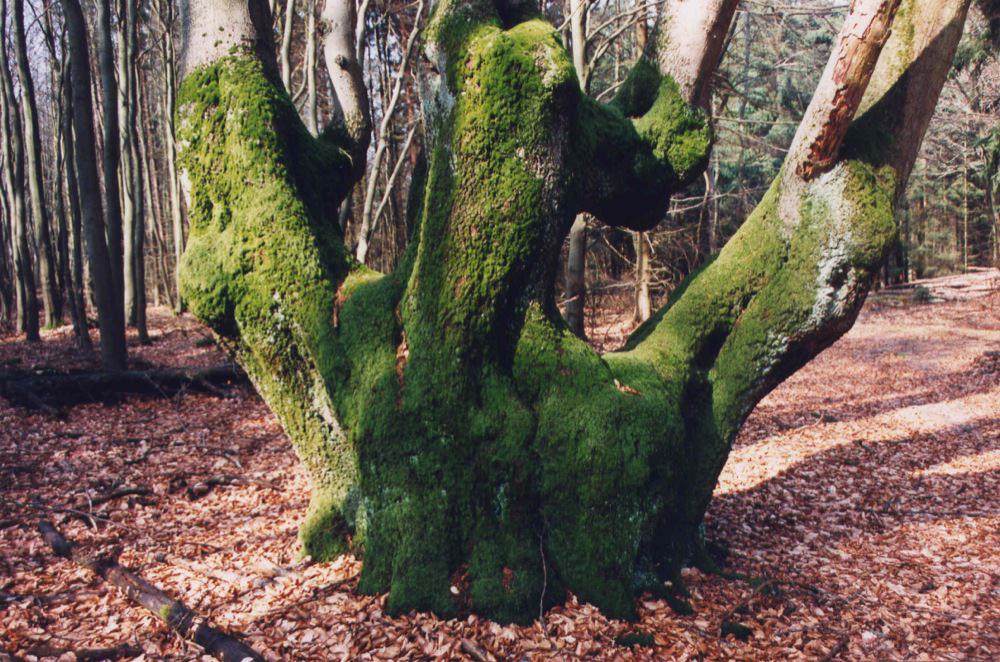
point(848, 73)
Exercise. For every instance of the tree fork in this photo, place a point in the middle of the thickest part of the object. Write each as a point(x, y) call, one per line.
point(449, 419)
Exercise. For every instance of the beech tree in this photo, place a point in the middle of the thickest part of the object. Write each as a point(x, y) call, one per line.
point(450, 421)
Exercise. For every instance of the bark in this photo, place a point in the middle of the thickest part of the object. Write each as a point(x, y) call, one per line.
point(643, 251)
point(51, 297)
point(286, 45)
point(344, 67)
point(312, 102)
point(135, 265)
point(59, 124)
point(574, 310)
point(27, 298)
point(112, 153)
point(75, 293)
point(173, 180)
point(643, 303)
point(449, 419)
point(690, 43)
point(110, 312)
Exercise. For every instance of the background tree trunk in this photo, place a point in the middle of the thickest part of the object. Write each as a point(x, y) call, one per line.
point(575, 309)
point(51, 296)
point(110, 312)
point(27, 298)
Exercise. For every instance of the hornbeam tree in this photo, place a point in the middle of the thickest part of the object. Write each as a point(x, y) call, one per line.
point(456, 432)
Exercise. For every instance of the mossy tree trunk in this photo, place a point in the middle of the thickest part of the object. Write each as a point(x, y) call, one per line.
point(455, 430)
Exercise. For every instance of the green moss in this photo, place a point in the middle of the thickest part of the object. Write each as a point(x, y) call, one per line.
point(263, 263)
point(678, 133)
point(454, 430)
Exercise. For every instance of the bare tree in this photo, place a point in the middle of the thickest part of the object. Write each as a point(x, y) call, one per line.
point(51, 296)
point(13, 141)
point(107, 295)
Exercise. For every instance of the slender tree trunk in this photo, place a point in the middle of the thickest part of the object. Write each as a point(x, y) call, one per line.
point(110, 313)
point(7, 311)
point(643, 252)
point(131, 171)
point(112, 152)
point(643, 300)
point(576, 259)
point(125, 175)
point(77, 289)
point(36, 182)
point(286, 45)
point(312, 101)
point(173, 180)
point(27, 297)
point(63, 239)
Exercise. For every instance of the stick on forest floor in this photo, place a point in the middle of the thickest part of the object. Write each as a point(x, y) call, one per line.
point(180, 618)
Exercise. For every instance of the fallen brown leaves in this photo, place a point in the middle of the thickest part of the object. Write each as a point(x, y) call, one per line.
point(866, 490)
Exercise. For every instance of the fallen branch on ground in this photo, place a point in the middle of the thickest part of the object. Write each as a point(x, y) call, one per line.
point(119, 652)
point(203, 487)
point(123, 491)
point(48, 391)
point(180, 618)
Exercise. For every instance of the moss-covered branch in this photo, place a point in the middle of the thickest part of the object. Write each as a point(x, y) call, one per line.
point(454, 429)
point(265, 259)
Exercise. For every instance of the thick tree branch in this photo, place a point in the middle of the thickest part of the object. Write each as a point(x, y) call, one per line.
point(794, 277)
point(340, 25)
point(689, 43)
point(628, 171)
point(816, 146)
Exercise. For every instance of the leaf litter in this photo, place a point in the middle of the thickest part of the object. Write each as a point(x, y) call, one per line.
point(863, 497)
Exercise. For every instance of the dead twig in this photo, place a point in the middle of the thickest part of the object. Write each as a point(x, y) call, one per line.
point(117, 493)
point(201, 488)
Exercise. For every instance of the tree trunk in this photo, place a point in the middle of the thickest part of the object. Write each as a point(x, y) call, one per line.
point(575, 309)
point(286, 45)
point(51, 297)
point(132, 170)
point(110, 312)
point(643, 301)
point(449, 419)
point(27, 297)
point(643, 252)
point(77, 287)
point(112, 152)
point(312, 101)
point(59, 124)
point(173, 180)
point(384, 139)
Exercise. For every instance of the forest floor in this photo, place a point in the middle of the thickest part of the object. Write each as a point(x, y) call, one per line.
point(865, 491)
